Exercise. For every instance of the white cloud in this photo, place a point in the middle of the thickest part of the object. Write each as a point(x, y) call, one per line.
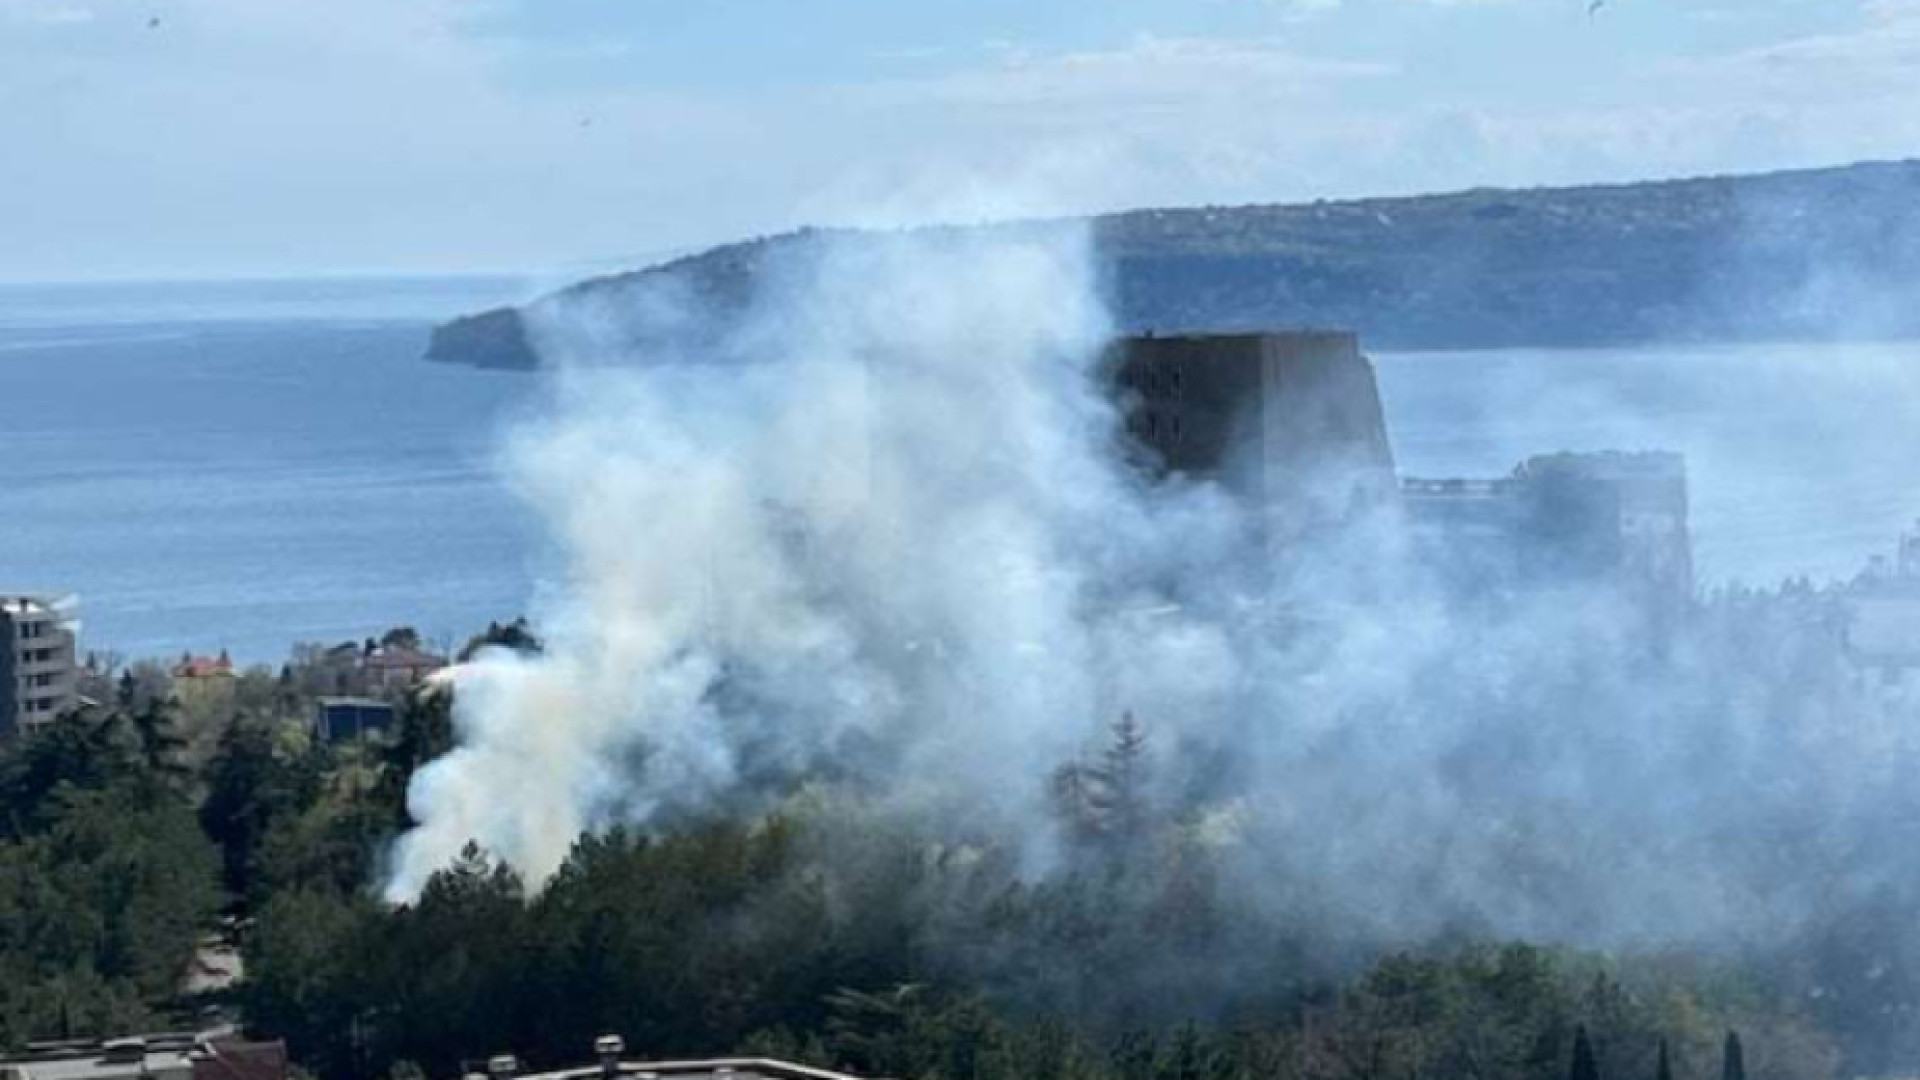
point(39, 13)
point(250, 135)
point(1152, 71)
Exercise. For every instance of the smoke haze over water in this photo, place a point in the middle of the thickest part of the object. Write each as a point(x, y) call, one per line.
point(882, 533)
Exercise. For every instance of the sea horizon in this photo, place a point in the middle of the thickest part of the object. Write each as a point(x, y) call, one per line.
point(279, 465)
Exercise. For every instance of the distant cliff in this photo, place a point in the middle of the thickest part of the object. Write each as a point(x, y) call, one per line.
point(1826, 252)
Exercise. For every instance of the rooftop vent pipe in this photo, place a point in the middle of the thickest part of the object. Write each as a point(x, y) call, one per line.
point(608, 1049)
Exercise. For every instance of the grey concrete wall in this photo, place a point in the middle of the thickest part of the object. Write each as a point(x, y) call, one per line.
point(1292, 419)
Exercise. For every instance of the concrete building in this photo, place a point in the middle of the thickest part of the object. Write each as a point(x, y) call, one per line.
point(1292, 419)
point(1882, 625)
point(214, 1056)
point(1567, 518)
point(38, 671)
point(612, 1064)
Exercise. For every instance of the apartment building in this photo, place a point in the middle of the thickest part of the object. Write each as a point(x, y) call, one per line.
point(38, 670)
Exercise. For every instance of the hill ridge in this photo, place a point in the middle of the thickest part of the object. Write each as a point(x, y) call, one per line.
point(1822, 252)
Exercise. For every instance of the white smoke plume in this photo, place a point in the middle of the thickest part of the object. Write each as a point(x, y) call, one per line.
point(880, 526)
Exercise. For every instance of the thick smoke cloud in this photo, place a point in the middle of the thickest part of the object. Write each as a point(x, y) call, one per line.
point(882, 530)
point(879, 529)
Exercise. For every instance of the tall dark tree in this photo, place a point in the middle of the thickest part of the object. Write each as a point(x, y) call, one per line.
point(1664, 1070)
point(1123, 773)
point(1733, 1063)
point(157, 727)
point(1585, 1067)
point(424, 731)
point(87, 749)
point(250, 787)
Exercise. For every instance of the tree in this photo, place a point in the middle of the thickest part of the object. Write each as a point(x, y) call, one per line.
point(1733, 1062)
point(156, 725)
point(516, 635)
point(250, 788)
point(1584, 1065)
point(424, 731)
point(88, 749)
point(105, 882)
point(1123, 779)
point(308, 974)
point(1664, 1071)
point(1108, 800)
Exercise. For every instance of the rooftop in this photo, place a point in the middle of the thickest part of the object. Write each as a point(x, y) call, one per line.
point(696, 1069)
point(394, 656)
point(30, 604)
point(203, 667)
point(1294, 333)
point(214, 1055)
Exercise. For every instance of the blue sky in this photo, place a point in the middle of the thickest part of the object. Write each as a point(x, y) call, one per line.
point(263, 137)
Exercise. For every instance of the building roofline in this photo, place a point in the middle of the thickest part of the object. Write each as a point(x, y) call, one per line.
point(1250, 333)
point(772, 1068)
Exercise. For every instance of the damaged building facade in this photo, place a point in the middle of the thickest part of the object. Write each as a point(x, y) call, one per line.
point(1293, 420)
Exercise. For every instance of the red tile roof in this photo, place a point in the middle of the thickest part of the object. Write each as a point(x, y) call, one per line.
point(201, 667)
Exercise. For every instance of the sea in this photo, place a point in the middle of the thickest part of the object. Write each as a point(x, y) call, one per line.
point(248, 466)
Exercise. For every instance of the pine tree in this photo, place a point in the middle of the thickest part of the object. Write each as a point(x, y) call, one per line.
point(157, 727)
point(1119, 792)
point(1734, 1064)
point(1664, 1071)
point(1107, 801)
point(1584, 1065)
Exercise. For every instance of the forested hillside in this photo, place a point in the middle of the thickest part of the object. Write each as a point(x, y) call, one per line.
point(1818, 253)
point(835, 929)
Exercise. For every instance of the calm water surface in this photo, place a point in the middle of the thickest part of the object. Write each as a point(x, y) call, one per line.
point(250, 466)
point(287, 471)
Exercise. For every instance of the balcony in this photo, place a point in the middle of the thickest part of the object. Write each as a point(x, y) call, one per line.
point(61, 663)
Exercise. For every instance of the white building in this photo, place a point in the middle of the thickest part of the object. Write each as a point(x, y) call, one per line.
point(38, 671)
